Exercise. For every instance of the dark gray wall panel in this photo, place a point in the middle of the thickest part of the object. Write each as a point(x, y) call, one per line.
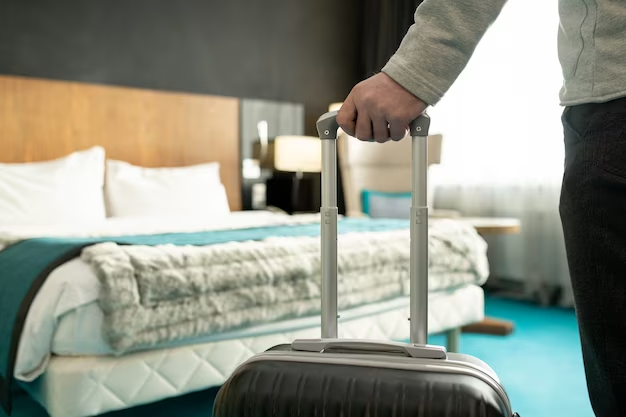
point(303, 51)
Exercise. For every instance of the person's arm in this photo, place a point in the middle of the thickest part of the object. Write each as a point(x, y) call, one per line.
point(432, 55)
point(440, 43)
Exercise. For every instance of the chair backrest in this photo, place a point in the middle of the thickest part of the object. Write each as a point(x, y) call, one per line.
point(379, 167)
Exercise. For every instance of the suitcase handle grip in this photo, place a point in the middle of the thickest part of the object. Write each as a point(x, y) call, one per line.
point(327, 125)
point(408, 349)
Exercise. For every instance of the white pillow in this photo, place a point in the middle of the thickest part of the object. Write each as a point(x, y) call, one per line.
point(194, 191)
point(62, 191)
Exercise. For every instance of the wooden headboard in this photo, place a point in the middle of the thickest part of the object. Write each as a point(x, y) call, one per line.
point(43, 119)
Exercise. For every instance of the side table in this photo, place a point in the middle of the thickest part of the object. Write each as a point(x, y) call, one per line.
point(485, 226)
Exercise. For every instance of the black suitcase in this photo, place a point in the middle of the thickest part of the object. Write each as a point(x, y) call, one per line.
point(333, 377)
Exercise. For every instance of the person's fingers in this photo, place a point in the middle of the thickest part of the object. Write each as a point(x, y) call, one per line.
point(364, 127)
point(380, 129)
point(347, 116)
point(397, 130)
point(377, 98)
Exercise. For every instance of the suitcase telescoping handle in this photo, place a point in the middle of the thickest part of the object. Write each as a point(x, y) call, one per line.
point(327, 128)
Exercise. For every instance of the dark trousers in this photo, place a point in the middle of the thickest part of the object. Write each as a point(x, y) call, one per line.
point(593, 215)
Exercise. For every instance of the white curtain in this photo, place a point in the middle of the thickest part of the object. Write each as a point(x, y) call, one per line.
point(503, 144)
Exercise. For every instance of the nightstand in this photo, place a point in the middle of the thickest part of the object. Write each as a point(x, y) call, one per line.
point(485, 226)
point(293, 192)
point(493, 225)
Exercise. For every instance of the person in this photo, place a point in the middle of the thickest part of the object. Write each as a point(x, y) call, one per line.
point(592, 54)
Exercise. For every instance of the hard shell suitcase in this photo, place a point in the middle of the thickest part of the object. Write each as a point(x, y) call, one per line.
point(344, 377)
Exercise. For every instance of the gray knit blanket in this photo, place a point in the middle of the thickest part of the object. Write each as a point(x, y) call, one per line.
point(159, 294)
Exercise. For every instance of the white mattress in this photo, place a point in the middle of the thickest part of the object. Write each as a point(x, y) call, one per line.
point(91, 385)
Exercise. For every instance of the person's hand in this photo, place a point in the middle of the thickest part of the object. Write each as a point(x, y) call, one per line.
point(379, 109)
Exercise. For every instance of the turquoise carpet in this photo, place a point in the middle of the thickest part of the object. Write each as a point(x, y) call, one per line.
point(540, 365)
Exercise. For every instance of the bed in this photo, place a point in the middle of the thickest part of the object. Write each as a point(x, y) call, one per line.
point(142, 279)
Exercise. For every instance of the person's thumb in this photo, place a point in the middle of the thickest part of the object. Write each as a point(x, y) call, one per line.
point(346, 117)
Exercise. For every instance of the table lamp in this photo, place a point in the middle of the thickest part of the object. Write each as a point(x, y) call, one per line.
point(296, 162)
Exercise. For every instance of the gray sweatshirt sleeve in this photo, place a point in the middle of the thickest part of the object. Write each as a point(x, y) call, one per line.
point(440, 43)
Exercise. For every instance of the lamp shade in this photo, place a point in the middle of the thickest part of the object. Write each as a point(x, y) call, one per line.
point(335, 106)
point(297, 154)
